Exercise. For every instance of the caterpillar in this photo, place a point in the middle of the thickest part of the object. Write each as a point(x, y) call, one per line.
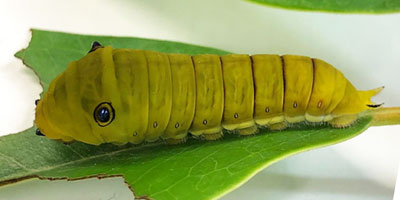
point(126, 95)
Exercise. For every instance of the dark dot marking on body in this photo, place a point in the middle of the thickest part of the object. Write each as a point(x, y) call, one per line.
point(267, 109)
point(295, 105)
point(177, 125)
point(236, 115)
point(135, 133)
point(155, 124)
point(205, 122)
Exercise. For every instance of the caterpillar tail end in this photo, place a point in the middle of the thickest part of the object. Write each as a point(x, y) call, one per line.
point(367, 95)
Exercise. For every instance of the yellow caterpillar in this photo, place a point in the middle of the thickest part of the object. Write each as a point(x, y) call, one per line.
point(125, 95)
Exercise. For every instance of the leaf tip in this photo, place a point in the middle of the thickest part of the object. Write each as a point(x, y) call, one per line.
point(20, 54)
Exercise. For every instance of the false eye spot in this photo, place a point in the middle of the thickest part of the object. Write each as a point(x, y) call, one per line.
point(205, 122)
point(236, 115)
point(155, 124)
point(177, 125)
point(295, 105)
point(104, 114)
point(267, 109)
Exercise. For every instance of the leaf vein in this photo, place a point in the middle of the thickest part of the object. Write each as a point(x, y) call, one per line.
point(11, 159)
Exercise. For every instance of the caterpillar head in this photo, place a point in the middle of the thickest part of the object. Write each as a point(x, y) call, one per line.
point(82, 103)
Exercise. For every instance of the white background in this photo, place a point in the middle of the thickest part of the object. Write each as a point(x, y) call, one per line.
point(366, 48)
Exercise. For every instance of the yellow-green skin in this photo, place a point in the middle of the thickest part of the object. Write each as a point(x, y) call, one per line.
point(156, 95)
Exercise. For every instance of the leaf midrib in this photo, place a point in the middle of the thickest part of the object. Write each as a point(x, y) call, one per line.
point(30, 171)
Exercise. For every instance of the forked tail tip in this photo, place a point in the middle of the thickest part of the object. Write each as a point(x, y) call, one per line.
point(375, 105)
point(370, 93)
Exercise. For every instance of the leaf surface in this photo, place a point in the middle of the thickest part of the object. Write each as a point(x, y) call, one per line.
point(193, 170)
point(342, 6)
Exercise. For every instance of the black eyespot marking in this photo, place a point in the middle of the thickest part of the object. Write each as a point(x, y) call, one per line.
point(95, 46)
point(37, 101)
point(38, 132)
point(104, 114)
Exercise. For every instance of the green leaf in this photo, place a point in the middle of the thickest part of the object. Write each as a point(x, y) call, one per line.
point(193, 170)
point(342, 6)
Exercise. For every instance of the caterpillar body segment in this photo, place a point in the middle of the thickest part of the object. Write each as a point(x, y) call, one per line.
point(209, 95)
point(298, 77)
point(135, 98)
point(160, 85)
point(269, 89)
point(326, 81)
point(124, 95)
point(183, 96)
point(239, 92)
